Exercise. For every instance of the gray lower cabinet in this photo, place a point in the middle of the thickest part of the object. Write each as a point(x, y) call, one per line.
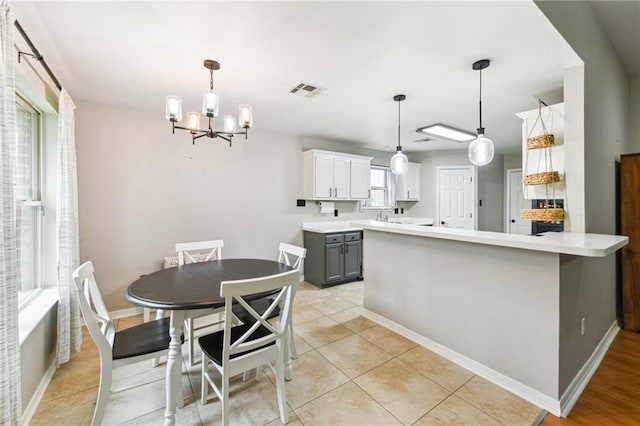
point(332, 258)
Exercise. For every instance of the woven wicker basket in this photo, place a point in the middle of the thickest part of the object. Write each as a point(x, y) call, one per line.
point(541, 141)
point(542, 178)
point(549, 215)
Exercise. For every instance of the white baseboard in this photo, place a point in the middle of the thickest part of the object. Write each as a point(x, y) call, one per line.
point(32, 406)
point(559, 408)
point(579, 383)
point(123, 313)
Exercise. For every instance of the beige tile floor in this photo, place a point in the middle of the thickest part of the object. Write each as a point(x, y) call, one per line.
point(350, 371)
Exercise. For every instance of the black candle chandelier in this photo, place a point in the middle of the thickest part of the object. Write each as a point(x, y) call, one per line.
point(210, 109)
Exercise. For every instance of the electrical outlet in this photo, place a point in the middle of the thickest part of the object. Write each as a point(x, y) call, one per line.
point(583, 326)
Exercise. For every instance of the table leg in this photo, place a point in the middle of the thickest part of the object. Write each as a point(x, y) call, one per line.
point(174, 367)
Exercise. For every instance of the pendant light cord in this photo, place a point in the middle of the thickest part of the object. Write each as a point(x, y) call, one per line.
point(480, 129)
point(399, 147)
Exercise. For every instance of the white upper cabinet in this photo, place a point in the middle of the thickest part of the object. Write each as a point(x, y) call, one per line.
point(341, 178)
point(408, 184)
point(360, 178)
point(335, 176)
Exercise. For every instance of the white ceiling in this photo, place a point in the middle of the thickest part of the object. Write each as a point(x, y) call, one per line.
point(363, 53)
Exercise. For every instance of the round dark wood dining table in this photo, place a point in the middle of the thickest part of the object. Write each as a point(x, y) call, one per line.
point(189, 288)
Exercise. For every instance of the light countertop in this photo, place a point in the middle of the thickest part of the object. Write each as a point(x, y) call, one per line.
point(351, 226)
point(591, 245)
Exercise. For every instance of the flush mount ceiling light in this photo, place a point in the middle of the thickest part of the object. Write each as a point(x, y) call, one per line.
point(481, 149)
point(443, 131)
point(399, 161)
point(210, 109)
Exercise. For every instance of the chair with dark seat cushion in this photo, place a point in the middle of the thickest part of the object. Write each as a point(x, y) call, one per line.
point(257, 342)
point(292, 256)
point(117, 348)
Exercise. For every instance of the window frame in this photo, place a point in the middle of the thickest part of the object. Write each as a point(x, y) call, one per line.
point(389, 191)
point(25, 296)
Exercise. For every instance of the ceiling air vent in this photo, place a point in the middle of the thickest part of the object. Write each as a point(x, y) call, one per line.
point(307, 90)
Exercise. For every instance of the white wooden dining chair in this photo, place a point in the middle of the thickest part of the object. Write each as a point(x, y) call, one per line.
point(199, 251)
point(237, 349)
point(292, 256)
point(117, 348)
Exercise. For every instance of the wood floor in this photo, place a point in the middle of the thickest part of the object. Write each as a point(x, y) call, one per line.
point(612, 397)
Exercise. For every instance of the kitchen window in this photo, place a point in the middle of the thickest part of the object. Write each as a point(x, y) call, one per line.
point(28, 200)
point(381, 189)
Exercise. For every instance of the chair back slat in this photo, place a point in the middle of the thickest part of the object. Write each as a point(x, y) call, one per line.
point(291, 255)
point(235, 290)
point(99, 323)
point(185, 251)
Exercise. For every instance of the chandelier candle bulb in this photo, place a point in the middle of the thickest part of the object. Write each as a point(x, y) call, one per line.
point(193, 121)
point(229, 124)
point(246, 115)
point(210, 103)
point(174, 108)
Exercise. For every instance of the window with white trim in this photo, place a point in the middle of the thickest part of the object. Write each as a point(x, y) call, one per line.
point(381, 196)
point(28, 198)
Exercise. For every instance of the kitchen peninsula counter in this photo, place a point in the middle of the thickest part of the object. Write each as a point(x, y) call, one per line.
point(533, 314)
point(592, 245)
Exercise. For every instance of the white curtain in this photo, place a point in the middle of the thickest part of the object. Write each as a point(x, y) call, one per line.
point(69, 332)
point(10, 401)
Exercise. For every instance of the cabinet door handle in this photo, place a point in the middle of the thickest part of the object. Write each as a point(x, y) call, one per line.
point(335, 192)
point(330, 192)
point(513, 221)
point(341, 249)
point(408, 194)
point(369, 194)
point(347, 248)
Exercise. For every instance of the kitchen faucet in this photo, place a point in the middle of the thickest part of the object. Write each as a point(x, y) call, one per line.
point(379, 217)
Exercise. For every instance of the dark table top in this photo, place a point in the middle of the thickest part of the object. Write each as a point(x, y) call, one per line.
point(196, 285)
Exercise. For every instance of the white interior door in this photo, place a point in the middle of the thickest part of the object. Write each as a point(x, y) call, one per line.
point(456, 197)
point(515, 225)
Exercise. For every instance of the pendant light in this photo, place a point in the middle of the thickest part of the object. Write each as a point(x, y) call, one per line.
point(399, 161)
point(481, 149)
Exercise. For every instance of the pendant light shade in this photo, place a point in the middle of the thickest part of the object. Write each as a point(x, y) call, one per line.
point(481, 149)
point(399, 161)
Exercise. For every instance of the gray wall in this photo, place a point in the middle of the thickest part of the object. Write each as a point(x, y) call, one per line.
point(491, 196)
point(512, 160)
point(495, 305)
point(606, 129)
point(36, 354)
point(634, 115)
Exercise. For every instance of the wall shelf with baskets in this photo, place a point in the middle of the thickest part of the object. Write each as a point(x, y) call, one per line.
point(543, 161)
